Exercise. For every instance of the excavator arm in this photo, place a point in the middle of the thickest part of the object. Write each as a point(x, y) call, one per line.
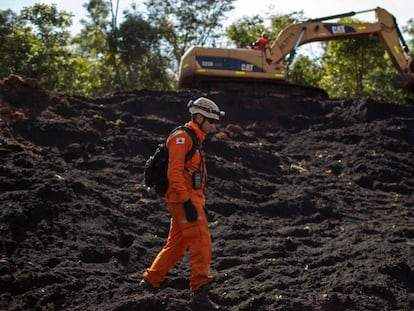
point(385, 28)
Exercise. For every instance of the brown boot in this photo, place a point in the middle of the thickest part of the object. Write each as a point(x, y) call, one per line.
point(201, 301)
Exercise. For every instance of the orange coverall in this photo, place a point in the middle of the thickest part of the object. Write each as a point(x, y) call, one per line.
point(261, 44)
point(184, 235)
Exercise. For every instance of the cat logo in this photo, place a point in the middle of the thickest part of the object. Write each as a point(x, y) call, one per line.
point(338, 29)
point(246, 67)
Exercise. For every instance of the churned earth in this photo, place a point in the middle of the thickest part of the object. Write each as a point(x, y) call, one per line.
point(310, 202)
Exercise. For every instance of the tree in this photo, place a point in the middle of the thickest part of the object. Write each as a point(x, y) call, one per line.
point(16, 44)
point(141, 56)
point(120, 57)
point(92, 43)
point(410, 30)
point(347, 65)
point(244, 31)
point(48, 43)
point(184, 23)
point(34, 44)
point(306, 71)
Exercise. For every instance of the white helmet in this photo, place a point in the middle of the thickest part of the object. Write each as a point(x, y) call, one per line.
point(205, 107)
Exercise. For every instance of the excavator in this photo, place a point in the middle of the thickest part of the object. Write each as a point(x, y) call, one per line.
point(250, 70)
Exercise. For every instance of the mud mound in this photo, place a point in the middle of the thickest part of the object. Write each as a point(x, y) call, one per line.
point(311, 202)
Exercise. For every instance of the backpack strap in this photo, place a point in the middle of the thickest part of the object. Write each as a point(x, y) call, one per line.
point(196, 145)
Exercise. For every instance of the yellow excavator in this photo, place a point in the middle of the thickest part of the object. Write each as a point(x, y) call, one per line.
point(250, 70)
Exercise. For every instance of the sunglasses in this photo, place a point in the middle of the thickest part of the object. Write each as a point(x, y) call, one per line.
point(212, 121)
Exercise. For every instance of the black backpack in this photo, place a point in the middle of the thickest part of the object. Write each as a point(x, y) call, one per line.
point(155, 169)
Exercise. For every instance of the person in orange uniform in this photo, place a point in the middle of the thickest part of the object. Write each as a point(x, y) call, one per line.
point(185, 198)
point(262, 44)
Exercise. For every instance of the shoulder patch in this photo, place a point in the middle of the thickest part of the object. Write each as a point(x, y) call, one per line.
point(180, 140)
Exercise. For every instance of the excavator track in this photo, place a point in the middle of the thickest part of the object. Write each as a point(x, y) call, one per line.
point(271, 88)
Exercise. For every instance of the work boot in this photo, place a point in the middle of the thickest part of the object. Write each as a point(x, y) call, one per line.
point(145, 285)
point(201, 301)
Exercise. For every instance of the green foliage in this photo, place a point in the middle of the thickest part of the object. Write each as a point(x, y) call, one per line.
point(48, 23)
point(306, 71)
point(243, 32)
point(136, 39)
point(386, 84)
point(36, 43)
point(139, 50)
point(121, 57)
point(16, 44)
point(154, 74)
point(183, 23)
point(358, 68)
point(409, 29)
point(92, 44)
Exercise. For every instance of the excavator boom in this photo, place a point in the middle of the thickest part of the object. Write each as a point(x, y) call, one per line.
point(249, 70)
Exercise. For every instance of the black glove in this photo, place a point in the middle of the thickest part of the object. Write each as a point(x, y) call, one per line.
point(190, 211)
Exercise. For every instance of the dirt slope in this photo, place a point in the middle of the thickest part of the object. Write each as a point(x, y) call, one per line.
point(311, 203)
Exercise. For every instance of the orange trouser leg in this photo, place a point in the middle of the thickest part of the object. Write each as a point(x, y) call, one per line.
point(200, 256)
point(194, 236)
point(170, 254)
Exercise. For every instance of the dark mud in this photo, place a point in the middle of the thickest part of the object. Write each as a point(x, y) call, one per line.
point(311, 202)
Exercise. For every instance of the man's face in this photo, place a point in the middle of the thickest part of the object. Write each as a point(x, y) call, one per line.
point(208, 125)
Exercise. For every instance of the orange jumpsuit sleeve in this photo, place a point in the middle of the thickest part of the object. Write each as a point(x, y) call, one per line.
point(178, 144)
point(261, 43)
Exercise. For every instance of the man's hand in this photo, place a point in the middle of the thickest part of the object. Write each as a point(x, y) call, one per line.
point(190, 211)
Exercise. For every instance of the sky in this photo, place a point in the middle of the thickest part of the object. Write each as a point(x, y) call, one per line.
point(403, 10)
